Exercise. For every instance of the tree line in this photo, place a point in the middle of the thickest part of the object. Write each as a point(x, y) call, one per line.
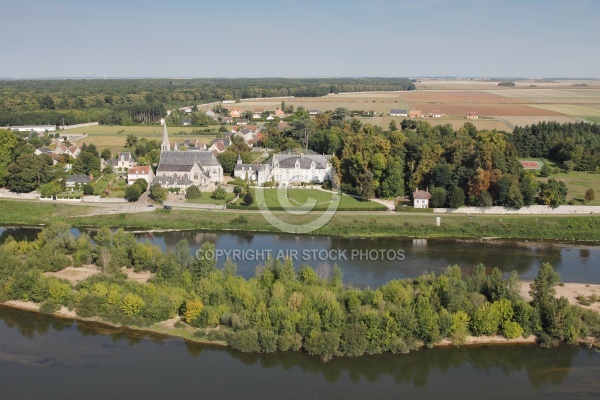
point(575, 146)
point(281, 307)
point(129, 101)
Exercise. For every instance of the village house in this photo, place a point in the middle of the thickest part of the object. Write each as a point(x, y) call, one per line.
point(140, 172)
point(472, 115)
point(421, 198)
point(74, 181)
point(259, 173)
point(122, 163)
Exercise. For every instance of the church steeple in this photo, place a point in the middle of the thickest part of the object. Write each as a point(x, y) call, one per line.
point(165, 146)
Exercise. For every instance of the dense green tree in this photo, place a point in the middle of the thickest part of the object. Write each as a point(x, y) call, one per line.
point(158, 193)
point(589, 195)
point(28, 172)
point(248, 199)
point(133, 192)
point(193, 192)
point(455, 197)
point(553, 192)
point(438, 197)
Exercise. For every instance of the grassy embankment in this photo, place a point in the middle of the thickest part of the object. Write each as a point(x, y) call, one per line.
point(580, 228)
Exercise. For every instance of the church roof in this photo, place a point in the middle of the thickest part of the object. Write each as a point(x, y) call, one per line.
point(187, 158)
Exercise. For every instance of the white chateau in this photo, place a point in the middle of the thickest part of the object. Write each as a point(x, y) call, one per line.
point(287, 169)
point(182, 169)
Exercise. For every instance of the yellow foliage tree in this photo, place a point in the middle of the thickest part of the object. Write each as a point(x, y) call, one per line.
point(192, 309)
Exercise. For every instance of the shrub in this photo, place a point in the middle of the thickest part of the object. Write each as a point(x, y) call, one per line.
point(132, 193)
point(248, 199)
point(88, 190)
point(49, 306)
point(131, 304)
point(142, 184)
point(193, 192)
point(192, 309)
point(219, 193)
point(237, 189)
point(512, 330)
point(268, 341)
point(245, 341)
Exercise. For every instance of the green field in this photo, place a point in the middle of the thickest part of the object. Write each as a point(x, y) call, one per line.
point(113, 136)
point(206, 199)
point(305, 197)
point(577, 184)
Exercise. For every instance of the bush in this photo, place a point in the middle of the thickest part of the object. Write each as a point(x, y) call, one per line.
point(238, 189)
point(142, 184)
point(88, 190)
point(193, 192)
point(245, 341)
point(268, 341)
point(219, 193)
point(132, 193)
point(49, 306)
point(248, 199)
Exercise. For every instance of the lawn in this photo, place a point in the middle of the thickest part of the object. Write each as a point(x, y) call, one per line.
point(577, 184)
point(101, 183)
point(305, 197)
point(206, 199)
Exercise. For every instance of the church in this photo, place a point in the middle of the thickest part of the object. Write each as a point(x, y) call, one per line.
point(180, 169)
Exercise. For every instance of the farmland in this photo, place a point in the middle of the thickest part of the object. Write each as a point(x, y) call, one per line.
point(497, 107)
point(113, 137)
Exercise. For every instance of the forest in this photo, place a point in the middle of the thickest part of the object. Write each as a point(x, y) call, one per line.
point(131, 101)
point(575, 146)
point(282, 307)
point(458, 166)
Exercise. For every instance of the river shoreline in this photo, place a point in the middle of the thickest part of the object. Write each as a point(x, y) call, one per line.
point(167, 328)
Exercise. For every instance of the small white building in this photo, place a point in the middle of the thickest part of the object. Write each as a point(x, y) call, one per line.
point(259, 173)
point(421, 198)
point(140, 172)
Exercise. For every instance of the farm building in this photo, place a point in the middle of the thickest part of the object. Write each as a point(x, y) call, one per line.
point(398, 112)
point(472, 115)
point(421, 198)
point(33, 128)
point(313, 112)
point(435, 114)
point(415, 113)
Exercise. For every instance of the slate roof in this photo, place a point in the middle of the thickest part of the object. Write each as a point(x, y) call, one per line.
point(289, 160)
point(186, 158)
point(251, 167)
point(398, 111)
point(172, 181)
point(125, 155)
point(78, 179)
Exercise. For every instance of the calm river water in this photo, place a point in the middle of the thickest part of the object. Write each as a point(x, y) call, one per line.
point(45, 357)
point(578, 263)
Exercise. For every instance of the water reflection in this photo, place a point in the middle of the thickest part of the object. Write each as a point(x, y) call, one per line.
point(575, 263)
point(97, 361)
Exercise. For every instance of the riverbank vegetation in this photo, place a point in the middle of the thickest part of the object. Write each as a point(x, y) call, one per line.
point(282, 307)
point(421, 225)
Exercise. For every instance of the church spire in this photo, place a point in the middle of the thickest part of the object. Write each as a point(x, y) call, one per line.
point(165, 146)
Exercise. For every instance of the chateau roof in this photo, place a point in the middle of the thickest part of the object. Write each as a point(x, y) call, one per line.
point(305, 160)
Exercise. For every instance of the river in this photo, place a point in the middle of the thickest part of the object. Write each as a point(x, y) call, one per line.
point(402, 258)
point(46, 357)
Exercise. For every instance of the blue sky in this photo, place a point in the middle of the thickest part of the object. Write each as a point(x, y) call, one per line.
point(180, 38)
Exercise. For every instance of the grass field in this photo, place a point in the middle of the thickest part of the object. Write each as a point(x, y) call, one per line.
point(577, 184)
point(206, 199)
point(113, 136)
point(301, 198)
point(583, 228)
